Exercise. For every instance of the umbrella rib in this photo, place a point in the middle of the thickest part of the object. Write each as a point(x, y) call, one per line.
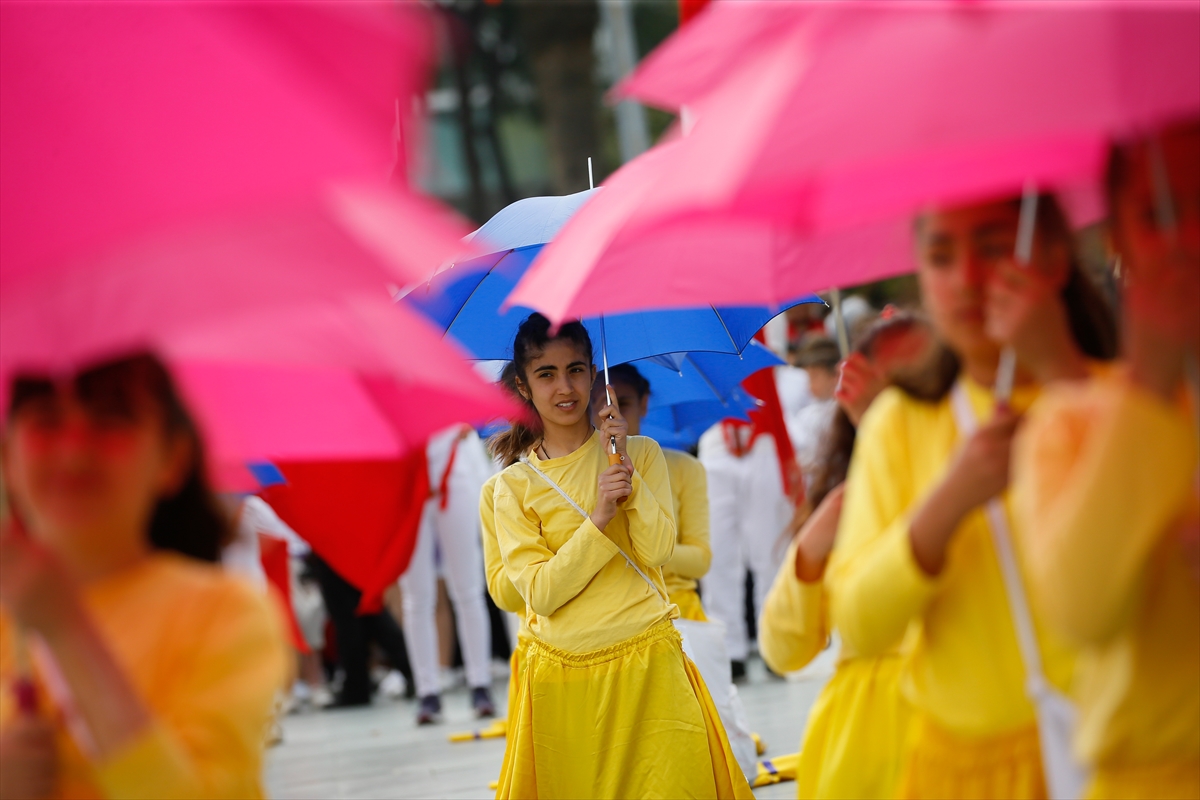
point(474, 289)
point(725, 327)
point(704, 378)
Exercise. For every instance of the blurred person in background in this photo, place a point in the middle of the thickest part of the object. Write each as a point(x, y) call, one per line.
point(854, 738)
point(458, 468)
point(353, 634)
point(689, 490)
point(131, 664)
point(914, 557)
point(1106, 487)
point(818, 356)
point(748, 509)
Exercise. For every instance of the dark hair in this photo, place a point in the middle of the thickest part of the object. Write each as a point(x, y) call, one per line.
point(530, 341)
point(837, 444)
point(1092, 321)
point(190, 521)
point(629, 375)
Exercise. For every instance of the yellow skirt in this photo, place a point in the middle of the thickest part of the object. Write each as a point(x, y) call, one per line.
point(1170, 781)
point(942, 764)
point(689, 605)
point(854, 742)
point(631, 720)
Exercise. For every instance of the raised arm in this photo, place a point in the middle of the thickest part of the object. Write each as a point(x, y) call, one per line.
point(876, 586)
point(794, 626)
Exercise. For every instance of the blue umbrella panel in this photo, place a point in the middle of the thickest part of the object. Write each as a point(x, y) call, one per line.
point(467, 302)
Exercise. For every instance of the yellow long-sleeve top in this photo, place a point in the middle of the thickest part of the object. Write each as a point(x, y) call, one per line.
point(581, 594)
point(504, 594)
point(794, 625)
point(1104, 478)
point(205, 652)
point(689, 491)
point(963, 670)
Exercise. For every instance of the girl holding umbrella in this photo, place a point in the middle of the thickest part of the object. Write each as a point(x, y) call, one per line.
point(609, 705)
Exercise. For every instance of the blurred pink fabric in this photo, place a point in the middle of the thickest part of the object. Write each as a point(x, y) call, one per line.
point(209, 182)
point(830, 125)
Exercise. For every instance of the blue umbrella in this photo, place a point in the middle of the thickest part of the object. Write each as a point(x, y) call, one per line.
point(467, 300)
point(702, 376)
point(680, 425)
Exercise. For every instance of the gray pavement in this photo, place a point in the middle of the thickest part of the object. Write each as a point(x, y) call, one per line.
point(379, 752)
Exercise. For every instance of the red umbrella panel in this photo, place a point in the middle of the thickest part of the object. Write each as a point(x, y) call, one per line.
point(360, 516)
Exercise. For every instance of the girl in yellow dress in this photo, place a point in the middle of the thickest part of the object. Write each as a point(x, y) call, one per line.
point(608, 705)
point(1105, 480)
point(857, 728)
point(914, 557)
point(130, 664)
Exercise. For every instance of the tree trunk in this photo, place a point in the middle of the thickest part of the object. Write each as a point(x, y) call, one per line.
point(558, 37)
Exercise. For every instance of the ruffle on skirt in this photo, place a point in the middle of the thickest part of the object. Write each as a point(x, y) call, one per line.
point(630, 720)
point(942, 764)
point(857, 732)
point(1166, 781)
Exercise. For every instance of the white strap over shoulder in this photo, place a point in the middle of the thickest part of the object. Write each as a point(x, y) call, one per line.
point(525, 460)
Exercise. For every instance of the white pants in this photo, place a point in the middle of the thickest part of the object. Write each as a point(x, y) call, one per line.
point(454, 531)
point(748, 511)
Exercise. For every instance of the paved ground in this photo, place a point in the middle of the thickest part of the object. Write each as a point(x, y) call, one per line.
point(379, 752)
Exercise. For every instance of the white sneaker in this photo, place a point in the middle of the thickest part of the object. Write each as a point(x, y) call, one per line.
point(322, 697)
point(393, 685)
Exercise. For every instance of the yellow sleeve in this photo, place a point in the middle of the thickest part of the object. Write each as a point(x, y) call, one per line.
point(876, 587)
point(207, 737)
point(545, 579)
point(794, 626)
point(693, 553)
point(650, 509)
point(504, 594)
point(1100, 472)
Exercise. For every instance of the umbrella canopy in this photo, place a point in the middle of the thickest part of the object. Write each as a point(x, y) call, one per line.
point(468, 302)
point(855, 111)
point(695, 258)
point(693, 377)
point(681, 425)
point(168, 185)
point(814, 149)
point(128, 118)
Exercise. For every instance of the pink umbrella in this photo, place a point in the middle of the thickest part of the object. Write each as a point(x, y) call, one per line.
point(862, 114)
point(128, 118)
point(863, 110)
point(169, 184)
point(612, 255)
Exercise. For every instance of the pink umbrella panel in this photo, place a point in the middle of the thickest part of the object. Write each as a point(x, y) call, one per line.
point(865, 110)
point(610, 256)
point(126, 119)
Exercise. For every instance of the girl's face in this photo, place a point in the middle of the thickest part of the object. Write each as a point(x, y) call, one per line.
point(84, 471)
point(1017, 294)
point(957, 251)
point(559, 383)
